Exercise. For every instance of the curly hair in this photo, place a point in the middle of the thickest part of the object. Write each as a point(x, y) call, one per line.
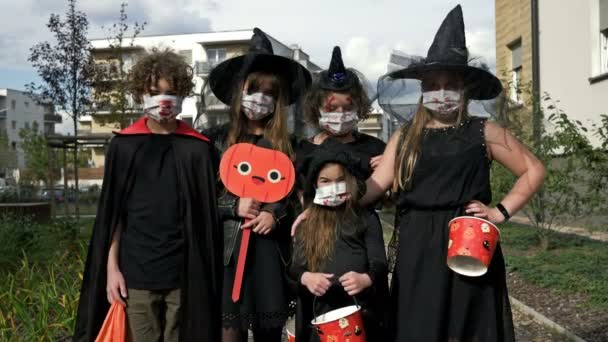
point(316, 97)
point(156, 65)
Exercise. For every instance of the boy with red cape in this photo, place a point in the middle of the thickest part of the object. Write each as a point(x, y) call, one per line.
point(157, 243)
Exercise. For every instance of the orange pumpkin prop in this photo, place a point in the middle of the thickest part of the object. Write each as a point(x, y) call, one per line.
point(260, 173)
point(256, 172)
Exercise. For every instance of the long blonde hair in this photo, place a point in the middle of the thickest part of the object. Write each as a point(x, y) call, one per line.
point(275, 130)
point(316, 237)
point(410, 143)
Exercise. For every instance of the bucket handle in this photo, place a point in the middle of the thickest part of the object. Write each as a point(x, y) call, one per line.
point(314, 312)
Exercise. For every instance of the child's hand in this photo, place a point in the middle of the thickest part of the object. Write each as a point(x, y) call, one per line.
point(301, 218)
point(263, 224)
point(115, 286)
point(353, 282)
point(316, 283)
point(375, 161)
point(248, 208)
point(481, 210)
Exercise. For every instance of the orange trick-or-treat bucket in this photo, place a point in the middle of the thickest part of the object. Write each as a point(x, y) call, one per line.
point(341, 325)
point(471, 246)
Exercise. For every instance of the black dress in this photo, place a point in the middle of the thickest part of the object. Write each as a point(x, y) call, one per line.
point(265, 293)
point(359, 248)
point(432, 303)
point(364, 146)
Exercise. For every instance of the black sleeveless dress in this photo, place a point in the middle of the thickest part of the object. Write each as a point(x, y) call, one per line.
point(432, 303)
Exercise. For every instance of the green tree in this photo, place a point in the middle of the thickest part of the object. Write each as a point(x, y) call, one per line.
point(111, 76)
point(66, 68)
point(569, 191)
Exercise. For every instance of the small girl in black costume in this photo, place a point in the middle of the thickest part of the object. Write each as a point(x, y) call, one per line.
point(339, 251)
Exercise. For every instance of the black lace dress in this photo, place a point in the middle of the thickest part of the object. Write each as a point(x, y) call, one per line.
point(432, 303)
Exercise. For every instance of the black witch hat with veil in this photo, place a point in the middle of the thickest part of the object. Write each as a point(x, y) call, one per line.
point(399, 91)
point(339, 78)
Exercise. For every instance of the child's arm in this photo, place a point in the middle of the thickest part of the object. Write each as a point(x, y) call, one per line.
point(354, 282)
point(376, 254)
point(316, 283)
point(116, 288)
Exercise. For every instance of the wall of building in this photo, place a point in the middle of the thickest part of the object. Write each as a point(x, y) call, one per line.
point(569, 56)
point(21, 112)
point(513, 23)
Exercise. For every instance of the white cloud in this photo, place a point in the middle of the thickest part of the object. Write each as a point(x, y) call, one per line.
point(366, 30)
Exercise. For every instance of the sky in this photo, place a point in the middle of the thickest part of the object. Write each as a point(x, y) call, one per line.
point(366, 30)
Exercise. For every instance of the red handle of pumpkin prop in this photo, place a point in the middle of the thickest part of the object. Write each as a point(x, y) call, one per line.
point(240, 264)
point(250, 171)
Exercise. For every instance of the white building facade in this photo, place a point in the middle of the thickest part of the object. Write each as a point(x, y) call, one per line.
point(573, 57)
point(19, 111)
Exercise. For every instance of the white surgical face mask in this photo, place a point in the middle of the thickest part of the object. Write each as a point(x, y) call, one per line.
point(331, 195)
point(257, 106)
point(162, 108)
point(338, 123)
point(442, 102)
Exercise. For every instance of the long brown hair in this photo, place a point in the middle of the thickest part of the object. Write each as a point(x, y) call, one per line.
point(410, 141)
point(316, 237)
point(275, 130)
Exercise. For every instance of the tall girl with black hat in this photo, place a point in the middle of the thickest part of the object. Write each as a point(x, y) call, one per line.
point(440, 164)
point(258, 87)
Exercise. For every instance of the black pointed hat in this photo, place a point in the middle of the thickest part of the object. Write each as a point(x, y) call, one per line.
point(337, 77)
point(227, 75)
point(449, 52)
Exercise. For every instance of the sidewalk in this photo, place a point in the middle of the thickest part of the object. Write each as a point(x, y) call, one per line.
point(580, 231)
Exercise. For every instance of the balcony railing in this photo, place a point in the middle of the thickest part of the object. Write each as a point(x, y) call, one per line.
point(105, 108)
point(54, 118)
point(204, 68)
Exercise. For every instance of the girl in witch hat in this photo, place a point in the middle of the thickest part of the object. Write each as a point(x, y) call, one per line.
point(339, 252)
point(334, 105)
point(439, 162)
point(258, 87)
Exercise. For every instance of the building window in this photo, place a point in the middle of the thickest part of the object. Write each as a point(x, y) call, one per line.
point(14, 145)
point(516, 71)
point(604, 52)
point(14, 124)
point(27, 126)
point(13, 104)
point(216, 55)
point(188, 120)
point(27, 104)
point(35, 126)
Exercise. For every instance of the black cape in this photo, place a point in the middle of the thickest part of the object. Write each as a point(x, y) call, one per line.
point(201, 287)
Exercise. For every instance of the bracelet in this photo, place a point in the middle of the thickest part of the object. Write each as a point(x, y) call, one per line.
point(503, 211)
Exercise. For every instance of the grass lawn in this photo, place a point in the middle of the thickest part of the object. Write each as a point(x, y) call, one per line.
point(572, 264)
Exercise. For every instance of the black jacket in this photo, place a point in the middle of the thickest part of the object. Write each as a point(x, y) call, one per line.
point(283, 211)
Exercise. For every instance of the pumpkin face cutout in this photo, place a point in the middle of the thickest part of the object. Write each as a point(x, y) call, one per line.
point(250, 171)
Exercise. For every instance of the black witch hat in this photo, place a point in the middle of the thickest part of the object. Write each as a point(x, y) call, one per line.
point(332, 151)
point(224, 78)
point(337, 77)
point(449, 52)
